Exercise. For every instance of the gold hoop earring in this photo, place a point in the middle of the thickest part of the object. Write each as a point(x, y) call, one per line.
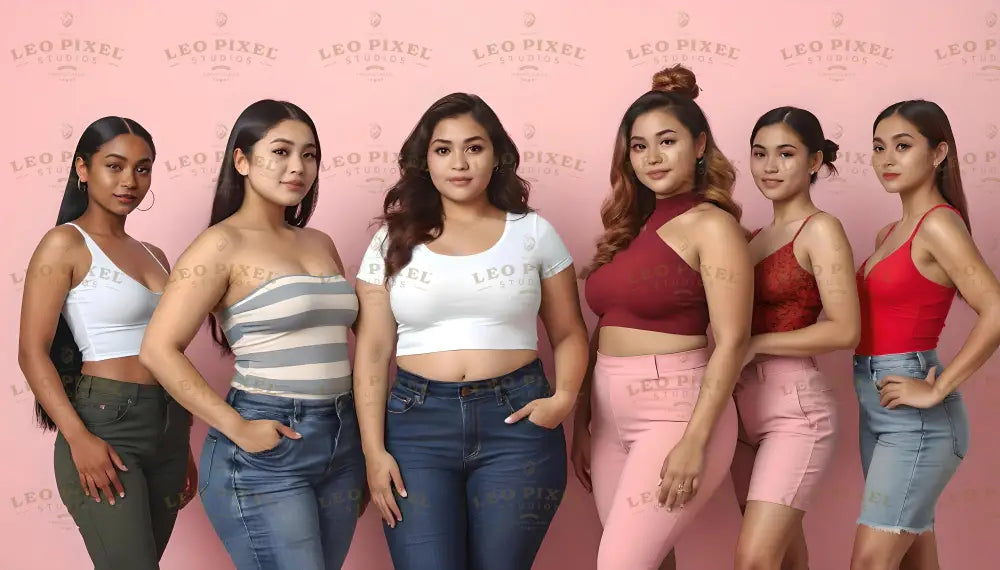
point(153, 194)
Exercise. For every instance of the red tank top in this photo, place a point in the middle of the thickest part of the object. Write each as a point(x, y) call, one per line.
point(786, 297)
point(647, 286)
point(901, 310)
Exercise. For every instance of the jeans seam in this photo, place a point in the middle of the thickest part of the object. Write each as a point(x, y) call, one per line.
point(239, 507)
point(913, 470)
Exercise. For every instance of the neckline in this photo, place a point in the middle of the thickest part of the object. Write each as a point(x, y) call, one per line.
point(115, 265)
point(503, 235)
point(666, 209)
point(867, 271)
point(273, 279)
point(802, 224)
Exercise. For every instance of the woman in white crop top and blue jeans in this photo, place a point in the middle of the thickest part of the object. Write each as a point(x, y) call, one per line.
point(122, 457)
point(467, 459)
point(281, 471)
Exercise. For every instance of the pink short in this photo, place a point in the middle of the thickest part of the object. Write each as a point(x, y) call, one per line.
point(789, 420)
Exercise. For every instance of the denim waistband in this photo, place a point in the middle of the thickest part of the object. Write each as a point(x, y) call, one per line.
point(423, 387)
point(86, 384)
point(298, 407)
point(922, 358)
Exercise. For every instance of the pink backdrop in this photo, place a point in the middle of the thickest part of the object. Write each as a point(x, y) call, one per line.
point(559, 74)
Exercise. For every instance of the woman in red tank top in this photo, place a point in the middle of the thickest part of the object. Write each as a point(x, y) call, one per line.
point(914, 429)
point(803, 267)
point(657, 437)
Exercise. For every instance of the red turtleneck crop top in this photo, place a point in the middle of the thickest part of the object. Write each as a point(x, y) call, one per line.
point(647, 286)
point(786, 297)
point(901, 310)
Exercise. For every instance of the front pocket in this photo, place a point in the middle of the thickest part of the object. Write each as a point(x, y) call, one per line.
point(279, 449)
point(817, 405)
point(959, 420)
point(399, 403)
point(522, 396)
point(95, 412)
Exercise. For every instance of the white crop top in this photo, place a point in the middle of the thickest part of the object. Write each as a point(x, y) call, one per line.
point(487, 300)
point(108, 311)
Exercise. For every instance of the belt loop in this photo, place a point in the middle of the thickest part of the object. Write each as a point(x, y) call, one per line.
point(87, 387)
point(297, 410)
point(759, 369)
point(499, 392)
point(656, 366)
point(923, 361)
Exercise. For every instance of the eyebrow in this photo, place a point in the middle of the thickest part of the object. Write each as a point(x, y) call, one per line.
point(786, 145)
point(120, 157)
point(661, 133)
point(898, 136)
point(286, 141)
point(468, 140)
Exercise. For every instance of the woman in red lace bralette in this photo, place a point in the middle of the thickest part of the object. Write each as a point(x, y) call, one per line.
point(914, 430)
point(656, 436)
point(803, 266)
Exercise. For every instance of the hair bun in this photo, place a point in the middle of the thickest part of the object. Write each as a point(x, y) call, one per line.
point(677, 79)
point(830, 149)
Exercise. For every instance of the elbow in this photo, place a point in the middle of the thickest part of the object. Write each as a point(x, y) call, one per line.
point(849, 337)
point(733, 343)
point(150, 354)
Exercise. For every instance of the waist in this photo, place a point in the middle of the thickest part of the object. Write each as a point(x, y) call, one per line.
point(87, 384)
point(294, 407)
point(769, 365)
point(690, 322)
point(898, 329)
point(528, 374)
point(652, 364)
point(923, 359)
point(317, 380)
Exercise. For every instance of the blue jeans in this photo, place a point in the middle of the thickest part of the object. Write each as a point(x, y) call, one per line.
point(908, 454)
point(294, 506)
point(480, 493)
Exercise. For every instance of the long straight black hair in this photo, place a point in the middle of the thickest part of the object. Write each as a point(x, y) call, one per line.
point(251, 126)
point(64, 352)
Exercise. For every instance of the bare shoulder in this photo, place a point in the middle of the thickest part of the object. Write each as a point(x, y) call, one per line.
point(61, 239)
point(823, 226)
point(943, 226)
point(715, 223)
point(216, 242)
point(319, 236)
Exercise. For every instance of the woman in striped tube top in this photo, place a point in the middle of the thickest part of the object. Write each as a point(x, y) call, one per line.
point(281, 471)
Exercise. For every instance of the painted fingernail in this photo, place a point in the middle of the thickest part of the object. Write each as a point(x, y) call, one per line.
point(507, 420)
point(122, 494)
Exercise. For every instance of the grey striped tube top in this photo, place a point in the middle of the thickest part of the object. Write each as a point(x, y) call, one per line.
point(290, 337)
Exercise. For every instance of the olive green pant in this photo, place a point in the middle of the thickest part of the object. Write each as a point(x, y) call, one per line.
point(150, 432)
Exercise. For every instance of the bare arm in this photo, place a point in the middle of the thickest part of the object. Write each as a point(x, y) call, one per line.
point(952, 247)
point(46, 284)
point(376, 339)
point(182, 310)
point(727, 273)
point(560, 313)
point(832, 263)
point(583, 411)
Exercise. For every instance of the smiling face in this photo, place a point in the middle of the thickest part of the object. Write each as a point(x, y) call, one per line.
point(781, 163)
point(460, 159)
point(119, 173)
point(663, 152)
point(282, 165)
point(903, 159)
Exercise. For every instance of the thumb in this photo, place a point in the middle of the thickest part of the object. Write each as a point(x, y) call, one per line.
point(932, 374)
point(116, 459)
point(520, 414)
point(287, 431)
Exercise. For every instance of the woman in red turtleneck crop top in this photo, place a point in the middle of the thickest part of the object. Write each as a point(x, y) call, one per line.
point(647, 285)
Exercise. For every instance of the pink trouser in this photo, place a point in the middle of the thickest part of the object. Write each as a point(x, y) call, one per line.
point(641, 407)
point(789, 417)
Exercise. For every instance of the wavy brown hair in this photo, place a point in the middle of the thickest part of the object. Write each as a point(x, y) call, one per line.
point(412, 210)
point(630, 203)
